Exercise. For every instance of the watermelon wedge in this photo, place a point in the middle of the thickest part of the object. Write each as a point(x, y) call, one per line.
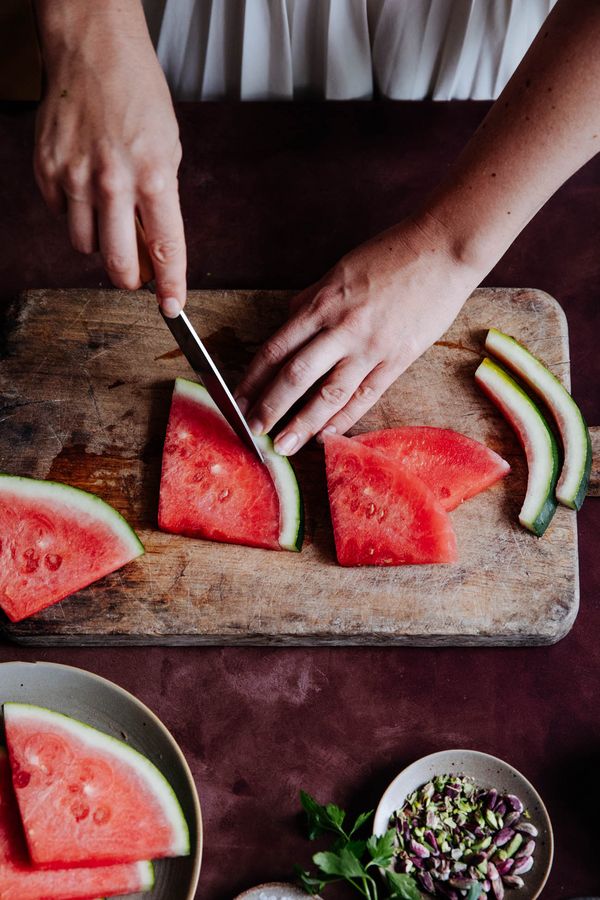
point(54, 540)
point(213, 487)
point(454, 466)
point(382, 514)
point(86, 798)
point(19, 880)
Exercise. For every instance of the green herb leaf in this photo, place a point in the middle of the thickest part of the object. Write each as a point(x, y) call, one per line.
point(311, 885)
point(402, 887)
point(381, 849)
point(344, 863)
point(322, 818)
point(360, 821)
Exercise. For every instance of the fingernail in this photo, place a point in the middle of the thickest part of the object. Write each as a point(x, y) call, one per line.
point(242, 405)
point(171, 307)
point(285, 443)
point(329, 429)
point(256, 426)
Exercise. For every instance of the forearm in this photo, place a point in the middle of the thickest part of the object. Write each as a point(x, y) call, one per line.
point(542, 129)
point(73, 26)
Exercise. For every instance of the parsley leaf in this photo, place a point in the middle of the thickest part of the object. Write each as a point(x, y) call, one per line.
point(402, 887)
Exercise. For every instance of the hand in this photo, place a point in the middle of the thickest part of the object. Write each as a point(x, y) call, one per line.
point(355, 332)
point(107, 142)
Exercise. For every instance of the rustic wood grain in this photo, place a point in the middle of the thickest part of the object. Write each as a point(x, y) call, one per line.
point(85, 383)
point(594, 485)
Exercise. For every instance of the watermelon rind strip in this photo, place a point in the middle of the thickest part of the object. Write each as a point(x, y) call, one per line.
point(74, 499)
point(574, 478)
point(155, 780)
point(536, 438)
point(147, 877)
point(291, 508)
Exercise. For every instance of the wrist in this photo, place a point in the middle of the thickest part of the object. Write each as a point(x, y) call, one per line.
point(78, 27)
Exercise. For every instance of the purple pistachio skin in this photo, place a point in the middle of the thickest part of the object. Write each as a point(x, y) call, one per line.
point(522, 865)
point(427, 882)
point(504, 866)
point(490, 800)
point(513, 881)
point(515, 803)
point(526, 828)
point(503, 837)
point(526, 849)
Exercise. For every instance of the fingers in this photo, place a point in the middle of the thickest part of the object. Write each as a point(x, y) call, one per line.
point(294, 379)
point(118, 245)
point(81, 220)
point(332, 396)
point(364, 397)
point(161, 217)
point(275, 352)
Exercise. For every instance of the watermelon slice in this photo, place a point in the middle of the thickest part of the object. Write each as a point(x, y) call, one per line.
point(213, 487)
point(454, 466)
point(19, 880)
point(86, 798)
point(54, 540)
point(383, 514)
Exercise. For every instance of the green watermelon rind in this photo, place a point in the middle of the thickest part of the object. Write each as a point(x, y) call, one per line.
point(291, 508)
point(146, 770)
point(536, 438)
point(74, 499)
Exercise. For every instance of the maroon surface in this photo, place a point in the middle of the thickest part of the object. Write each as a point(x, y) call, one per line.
point(272, 195)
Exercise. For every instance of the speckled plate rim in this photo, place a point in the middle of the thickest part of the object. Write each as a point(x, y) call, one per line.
point(156, 722)
point(391, 798)
point(254, 892)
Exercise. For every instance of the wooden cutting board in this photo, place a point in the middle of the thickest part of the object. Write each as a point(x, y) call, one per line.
point(85, 385)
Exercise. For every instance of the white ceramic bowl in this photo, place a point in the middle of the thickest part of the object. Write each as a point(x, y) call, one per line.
point(111, 709)
point(274, 890)
point(488, 772)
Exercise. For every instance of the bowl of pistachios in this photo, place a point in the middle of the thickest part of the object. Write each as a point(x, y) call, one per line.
point(466, 825)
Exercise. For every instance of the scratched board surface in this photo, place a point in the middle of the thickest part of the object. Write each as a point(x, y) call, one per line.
point(85, 384)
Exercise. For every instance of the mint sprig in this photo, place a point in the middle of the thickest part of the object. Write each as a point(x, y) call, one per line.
point(350, 858)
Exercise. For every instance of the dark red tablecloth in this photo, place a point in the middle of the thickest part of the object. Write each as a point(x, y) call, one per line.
point(272, 195)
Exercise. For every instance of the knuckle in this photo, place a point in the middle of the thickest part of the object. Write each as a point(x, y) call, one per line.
point(75, 179)
point(116, 263)
point(111, 180)
point(274, 351)
point(297, 372)
point(163, 250)
point(153, 180)
point(333, 394)
point(326, 301)
point(365, 393)
point(267, 411)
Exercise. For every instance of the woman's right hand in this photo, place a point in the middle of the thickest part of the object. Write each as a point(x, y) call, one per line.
point(107, 141)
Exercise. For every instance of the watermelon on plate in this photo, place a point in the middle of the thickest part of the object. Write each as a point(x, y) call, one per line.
point(382, 514)
point(212, 486)
point(19, 880)
point(453, 465)
point(55, 540)
point(86, 798)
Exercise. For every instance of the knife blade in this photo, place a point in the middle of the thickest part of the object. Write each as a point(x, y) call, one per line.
point(197, 355)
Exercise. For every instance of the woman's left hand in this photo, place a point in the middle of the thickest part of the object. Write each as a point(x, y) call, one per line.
point(355, 332)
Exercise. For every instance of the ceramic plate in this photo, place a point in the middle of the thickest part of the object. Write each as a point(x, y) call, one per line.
point(111, 709)
point(274, 890)
point(488, 772)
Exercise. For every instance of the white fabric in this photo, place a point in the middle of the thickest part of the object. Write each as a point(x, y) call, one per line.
point(342, 49)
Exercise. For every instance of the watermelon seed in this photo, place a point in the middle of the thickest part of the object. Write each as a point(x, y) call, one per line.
point(102, 815)
point(371, 511)
point(223, 495)
point(21, 778)
point(80, 811)
point(381, 514)
point(31, 560)
point(53, 561)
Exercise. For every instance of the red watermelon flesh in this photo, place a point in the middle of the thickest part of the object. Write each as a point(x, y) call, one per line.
point(85, 798)
point(453, 465)
point(19, 880)
point(55, 540)
point(382, 514)
point(213, 487)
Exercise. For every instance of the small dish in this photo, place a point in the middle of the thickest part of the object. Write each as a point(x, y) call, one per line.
point(488, 772)
point(111, 709)
point(274, 890)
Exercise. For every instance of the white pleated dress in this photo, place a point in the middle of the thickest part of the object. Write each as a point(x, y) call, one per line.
point(342, 49)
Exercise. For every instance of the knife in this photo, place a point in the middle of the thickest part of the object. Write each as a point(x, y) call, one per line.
point(196, 353)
